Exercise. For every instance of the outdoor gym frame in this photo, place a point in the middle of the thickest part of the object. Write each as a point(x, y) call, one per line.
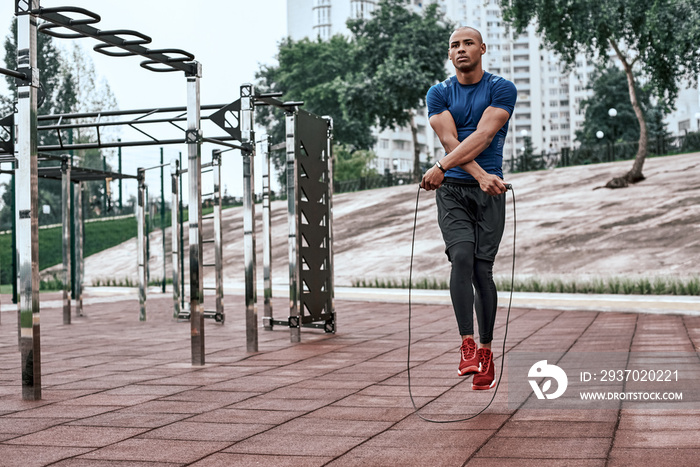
point(308, 171)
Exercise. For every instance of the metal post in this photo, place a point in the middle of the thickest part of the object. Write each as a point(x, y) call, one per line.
point(294, 293)
point(218, 246)
point(104, 187)
point(267, 232)
point(174, 234)
point(65, 198)
point(15, 273)
point(329, 159)
point(194, 148)
point(248, 140)
point(120, 180)
point(148, 208)
point(181, 253)
point(78, 247)
point(141, 242)
point(162, 215)
point(26, 198)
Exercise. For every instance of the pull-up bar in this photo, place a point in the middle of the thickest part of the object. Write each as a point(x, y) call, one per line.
point(130, 41)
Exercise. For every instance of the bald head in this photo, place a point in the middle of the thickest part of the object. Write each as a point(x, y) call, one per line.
point(475, 32)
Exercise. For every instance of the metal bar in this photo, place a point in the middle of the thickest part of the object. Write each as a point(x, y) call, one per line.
point(26, 199)
point(194, 147)
point(218, 240)
point(153, 56)
point(120, 180)
point(66, 214)
point(78, 259)
point(115, 144)
point(13, 74)
point(248, 139)
point(329, 159)
point(162, 216)
point(174, 237)
point(141, 242)
point(267, 232)
point(292, 193)
point(181, 221)
point(118, 113)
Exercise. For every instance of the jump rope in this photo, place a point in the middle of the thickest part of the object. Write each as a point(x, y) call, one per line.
point(503, 350)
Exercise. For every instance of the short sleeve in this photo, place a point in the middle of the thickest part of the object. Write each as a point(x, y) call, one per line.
point(436, 100)
point(504, 95)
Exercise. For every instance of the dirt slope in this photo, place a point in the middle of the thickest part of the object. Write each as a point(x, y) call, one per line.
point(564, 226)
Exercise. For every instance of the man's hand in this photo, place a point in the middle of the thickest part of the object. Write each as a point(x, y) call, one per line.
point(432, 179)
point(492, 184)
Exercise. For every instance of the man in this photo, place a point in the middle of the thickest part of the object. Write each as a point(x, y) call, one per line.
point(469, 113)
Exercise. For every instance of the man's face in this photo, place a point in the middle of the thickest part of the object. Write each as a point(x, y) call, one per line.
point(466, 49)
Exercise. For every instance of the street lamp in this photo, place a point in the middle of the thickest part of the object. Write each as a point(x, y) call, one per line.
point(600, 135)
point(612, 112)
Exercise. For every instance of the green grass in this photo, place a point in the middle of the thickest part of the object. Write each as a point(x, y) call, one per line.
point(98, 236)
point(658, 285)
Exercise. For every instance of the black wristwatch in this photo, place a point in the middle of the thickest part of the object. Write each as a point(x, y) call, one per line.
point(439, 166)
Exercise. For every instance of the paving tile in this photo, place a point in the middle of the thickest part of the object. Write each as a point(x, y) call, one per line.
point(76, 436)
point(156, 450)
point(360, 413)
point(225, 459)
point(501, 462)
point(130, 420)
point(330, 427)
point(367, 456)
point(485, 421)
point(687, 439)
point(557, 429)
point(271, 403)
point(108, 463)
point(658, 422)
point(281, 444)
point(58, 411)
point(546, 448)
point(31, 456)
point(23, 426)
point(654, 457)
point(226, 415)
point(194, 431)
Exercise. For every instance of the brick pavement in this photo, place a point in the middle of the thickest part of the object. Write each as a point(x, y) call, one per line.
point(119, 392)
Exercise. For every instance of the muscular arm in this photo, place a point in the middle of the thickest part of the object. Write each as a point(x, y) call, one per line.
point(444, 126)
point(463, 153)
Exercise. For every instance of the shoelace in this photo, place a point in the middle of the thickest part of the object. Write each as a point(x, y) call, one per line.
point(484, 361)
point(468, 348)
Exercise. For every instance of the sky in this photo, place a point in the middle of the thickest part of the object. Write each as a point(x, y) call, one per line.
point(230, 38)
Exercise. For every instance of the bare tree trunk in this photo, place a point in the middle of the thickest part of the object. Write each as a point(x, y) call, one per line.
point(417, 174)
point(635, 174)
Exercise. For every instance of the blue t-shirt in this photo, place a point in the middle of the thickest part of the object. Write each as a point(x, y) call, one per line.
point(466, 103)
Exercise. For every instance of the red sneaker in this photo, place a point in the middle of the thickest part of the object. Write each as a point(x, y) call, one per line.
point(485, 378)
point(468, 363)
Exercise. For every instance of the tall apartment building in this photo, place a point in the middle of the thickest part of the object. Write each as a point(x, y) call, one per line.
point(548, 109)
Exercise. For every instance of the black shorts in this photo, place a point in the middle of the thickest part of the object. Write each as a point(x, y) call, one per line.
point(468, 214)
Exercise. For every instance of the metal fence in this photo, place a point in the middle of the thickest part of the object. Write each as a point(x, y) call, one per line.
point(368, 183)
point(599, 153)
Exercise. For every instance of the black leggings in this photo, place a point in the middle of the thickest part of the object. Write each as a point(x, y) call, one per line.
point(468, 270)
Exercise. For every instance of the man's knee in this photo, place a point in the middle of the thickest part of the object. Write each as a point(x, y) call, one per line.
point(461, 254)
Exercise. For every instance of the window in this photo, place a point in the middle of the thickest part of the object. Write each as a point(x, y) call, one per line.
point(362, 8)
point(383, 143)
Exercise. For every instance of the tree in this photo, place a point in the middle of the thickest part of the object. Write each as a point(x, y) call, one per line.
point(313, 72)
point(69, 84)
point(610, 91)
point(656, 43)
point(351, 165)
point(401, 54)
